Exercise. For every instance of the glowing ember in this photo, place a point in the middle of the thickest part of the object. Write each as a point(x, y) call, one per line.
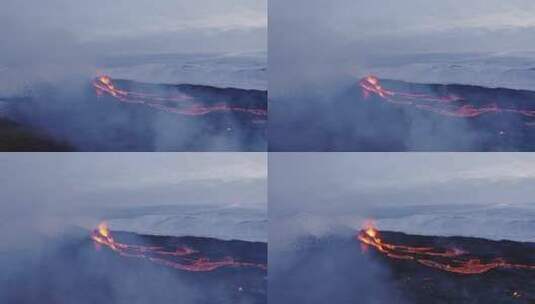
point(182, 258)
point(103, 230)
point(449, 105)
point(178, 103)
point(450, 260)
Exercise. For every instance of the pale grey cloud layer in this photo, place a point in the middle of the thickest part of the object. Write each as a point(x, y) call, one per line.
point(336, 183)
point(49, 194)
point(319, 42)
point(55, 182)
point(365, 18)
point(355, 20)
point(178, 26)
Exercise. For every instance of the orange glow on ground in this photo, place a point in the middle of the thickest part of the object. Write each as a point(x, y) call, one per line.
point(181, 258)
point(450, 259)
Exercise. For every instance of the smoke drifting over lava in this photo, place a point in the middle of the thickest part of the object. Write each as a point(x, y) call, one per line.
point(46, 71)
point(180, 258)
point(315, 62)
point(390, 115)
point(178, 102)
point(52, 250)
point(454, 269)
point(121, 115)
point(447, 259)
point(71, 269)
point(450, 104)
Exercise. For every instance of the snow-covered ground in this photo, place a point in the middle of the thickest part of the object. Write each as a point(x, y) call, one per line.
point(236, 70)
point(495, 222)
point(245, 70)
point(506, 70)
point(226, 223)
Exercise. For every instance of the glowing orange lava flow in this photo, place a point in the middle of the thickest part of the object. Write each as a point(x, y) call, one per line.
point(449, 105)
point(182, 258)
point(178, 103)
point(451, 260)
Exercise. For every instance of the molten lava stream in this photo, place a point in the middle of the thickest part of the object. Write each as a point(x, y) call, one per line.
point(179, 103)
point(449, 105)
point(182, 258)
point(450, 260)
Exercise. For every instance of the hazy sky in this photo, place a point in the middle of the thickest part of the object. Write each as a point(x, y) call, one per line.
point(347, 20)
point(343, 182)
point(392, 16)
point(42, 182)
point(126, 26)
point(316, 40)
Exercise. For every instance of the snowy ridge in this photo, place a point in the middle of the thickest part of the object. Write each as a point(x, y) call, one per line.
point(498, 222)
point(244, 71)
point(494, 222)
point(225, 223)
point(513, 71)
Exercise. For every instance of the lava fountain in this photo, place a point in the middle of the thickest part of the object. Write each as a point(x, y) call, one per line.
point(181, 258)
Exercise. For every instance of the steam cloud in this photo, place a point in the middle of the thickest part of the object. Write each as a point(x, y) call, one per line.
point(50, 59)
point(51, 201)
point(316, 60)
